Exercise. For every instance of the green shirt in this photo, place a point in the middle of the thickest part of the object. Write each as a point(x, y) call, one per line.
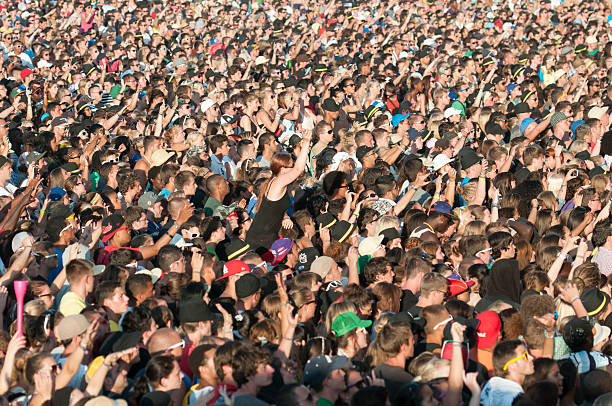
point(210, 208)
point(324, 402)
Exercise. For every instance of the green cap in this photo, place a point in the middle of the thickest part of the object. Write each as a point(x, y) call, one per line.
point(115, 91)
point(347, 321)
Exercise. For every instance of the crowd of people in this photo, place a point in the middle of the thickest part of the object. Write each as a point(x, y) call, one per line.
point(306, 203)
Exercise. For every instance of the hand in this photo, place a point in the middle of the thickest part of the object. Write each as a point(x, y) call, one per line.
point(111, 359)
point(569, 293)
point(570, 245)
point(43, 384)
point(457, 330)
point(282, 290)
point(227, 318)
point(74, 252)
point(3, 298)
point(324, 234)
point(535, 203)
point(184, 214)
point(352, 256)
point(452, 173)
point(90, 333)
point(287, 224)
point(471, 382)
point(421, 180)
point(374, 381)
point(197, 261)
point(17, 342)
point(548, 320)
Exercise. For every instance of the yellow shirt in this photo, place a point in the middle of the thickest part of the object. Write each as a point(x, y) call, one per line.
point(71, 303)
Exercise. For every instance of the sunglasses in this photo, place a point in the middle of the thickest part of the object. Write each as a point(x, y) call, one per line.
point(484, 250)
point(513, 360)
point(177, 345)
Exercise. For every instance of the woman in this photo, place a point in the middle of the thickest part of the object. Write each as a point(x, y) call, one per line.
point(274, 200)
point(162, 374)
point(248, 122)
point(267, 115)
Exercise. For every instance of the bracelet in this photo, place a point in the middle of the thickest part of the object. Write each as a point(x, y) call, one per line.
point(574, 299)
point(325, 240)
point(552, 334)
point(105, 364)
point(81, 346)
point(482, 177)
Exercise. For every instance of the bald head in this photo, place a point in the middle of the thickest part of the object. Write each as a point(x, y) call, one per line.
point(161, 340)
point(175, 205)
point(213, 182)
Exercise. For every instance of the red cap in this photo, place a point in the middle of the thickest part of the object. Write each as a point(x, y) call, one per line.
point(488, 329)
point(215, 47)
point(457, 287)
point(25, 73)
point(234, 267)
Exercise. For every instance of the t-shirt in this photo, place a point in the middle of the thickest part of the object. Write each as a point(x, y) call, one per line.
point(249, 400)
point(71, 304)
point(395, 378)
point(500, 392)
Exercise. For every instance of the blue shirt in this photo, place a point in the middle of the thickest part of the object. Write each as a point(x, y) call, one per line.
point(217, 166)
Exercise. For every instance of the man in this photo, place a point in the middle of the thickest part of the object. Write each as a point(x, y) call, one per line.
point(218, 188)
point(196, 321)
point(377, 270)
point(602, 239)
point(326, 377)
point(268, 146)
point(416, 268)
point(488, 334)
point(252, 371)
point(111, 295)
point(79, 274)
point(6, 188)
point(433, 292)
point(70, 333)
point(139, 288)
point(436, 317)
point(560, 126)
point(326, 268)
point(248, 292)
point(219, 148)
point(437, 223)
point(396, 344)
point(201, 362)
point(512, 363)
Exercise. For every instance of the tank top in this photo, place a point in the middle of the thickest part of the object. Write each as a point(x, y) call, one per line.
point(267, 222)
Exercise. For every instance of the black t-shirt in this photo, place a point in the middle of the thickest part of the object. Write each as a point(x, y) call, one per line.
point(395, 378)
point(423, 346)
point(409, 300)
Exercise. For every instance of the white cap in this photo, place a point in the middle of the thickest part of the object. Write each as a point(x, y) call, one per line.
point(261, 60)
point(451, 111)
point(369, 245)
point(439, 161)
point(206, 104)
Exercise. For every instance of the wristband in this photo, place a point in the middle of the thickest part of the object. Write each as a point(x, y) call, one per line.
point(552, 334)
point(574, 299)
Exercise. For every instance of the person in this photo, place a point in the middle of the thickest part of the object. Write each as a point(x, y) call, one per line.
point(512, 363)
point(274, 199)
point(251, 371)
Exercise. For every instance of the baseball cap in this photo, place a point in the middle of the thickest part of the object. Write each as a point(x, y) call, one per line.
point(439, 161)
point(160, 157)
point(193, 311)
point(72, 326)
point(155, 274)
point(457, 287)
point(488, 329)
point(234, 267)
point(369, 245)
point(330, 105)
point(319, 367)
point(347, 321)
point(442, 207)
point(321, 266)
point(111, 225)
point(206, 104)
point(148, 199)
point(56, 194)
point(306, 258)
point(363, 151)
point(33, 157)
point(279, 250)
point(247, 285)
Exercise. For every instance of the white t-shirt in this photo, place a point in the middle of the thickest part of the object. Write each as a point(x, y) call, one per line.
point(8, 190)
point(500, 392)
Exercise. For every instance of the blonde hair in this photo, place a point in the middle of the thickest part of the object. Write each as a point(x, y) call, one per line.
point(386, 222)
point(336, 309)
point(433, 369)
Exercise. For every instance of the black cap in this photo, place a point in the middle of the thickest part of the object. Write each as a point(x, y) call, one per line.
point(127, 341)
point(577, 333)
point(390, 234)
point(235, 248)
point(194, 311)
point(468, 158)
point(330, 105)
point(110, 225)
point(522, 108)
point(71, 168)
point(306, 258)
point(326, 220)
point(363, 151)
point(3, 160)
point(594, 300)
point(54, 227)
point(247, 285)
point(342, 230)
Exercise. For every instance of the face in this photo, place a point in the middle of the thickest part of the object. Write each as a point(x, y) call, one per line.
point(173, 381)
point(263, 377)
point(119, 302)
point(46, 296)
point(427, 397)
point(303, 396)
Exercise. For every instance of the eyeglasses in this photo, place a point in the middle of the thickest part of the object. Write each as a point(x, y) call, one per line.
point(66, 228)
point(193, 235)
point(45, 295)
point(513, 360)
point(177, 345)
point(484, 250)
point(360, 384)
point(443, 322)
